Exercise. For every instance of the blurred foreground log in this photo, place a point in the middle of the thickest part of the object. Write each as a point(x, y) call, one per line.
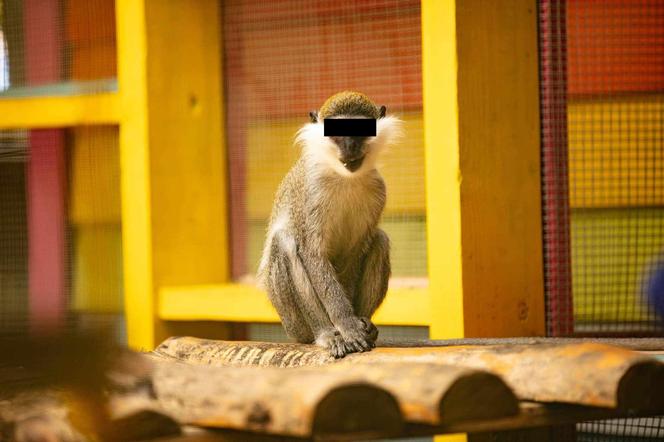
point(586, 374)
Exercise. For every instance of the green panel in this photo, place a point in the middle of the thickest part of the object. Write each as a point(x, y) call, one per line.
point(612, 252)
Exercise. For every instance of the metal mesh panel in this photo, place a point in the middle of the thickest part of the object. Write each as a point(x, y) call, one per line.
point(60, 236)
point(602, 107)
point(57, 47)
point(283, 59)
point(603, 162)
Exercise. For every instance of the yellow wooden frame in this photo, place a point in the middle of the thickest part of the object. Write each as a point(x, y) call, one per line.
point(176, 267)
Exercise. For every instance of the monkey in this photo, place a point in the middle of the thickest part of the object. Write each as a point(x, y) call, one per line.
point(325, 263)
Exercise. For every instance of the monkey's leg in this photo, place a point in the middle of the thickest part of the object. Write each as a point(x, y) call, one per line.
point(374, 278)
point(289, 290)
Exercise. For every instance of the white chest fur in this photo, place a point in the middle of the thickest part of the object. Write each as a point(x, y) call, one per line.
point(348, 208)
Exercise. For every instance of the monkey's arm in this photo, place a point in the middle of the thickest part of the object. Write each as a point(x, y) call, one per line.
point(333, 298)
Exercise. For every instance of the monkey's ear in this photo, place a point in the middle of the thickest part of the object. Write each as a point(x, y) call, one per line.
point(383, 111)
point(314, 116)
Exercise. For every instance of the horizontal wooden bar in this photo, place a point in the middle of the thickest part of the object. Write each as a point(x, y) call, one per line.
point(59, 111)
point(583, 374)
point(403, 305)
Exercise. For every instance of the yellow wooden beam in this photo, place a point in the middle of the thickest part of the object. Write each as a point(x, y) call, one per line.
point(481, 123)
point(247, 303)
point(441, 141)
point(135, 174)
point(172, 154)
point(61, 111)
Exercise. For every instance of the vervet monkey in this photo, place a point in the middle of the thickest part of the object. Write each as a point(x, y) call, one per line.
point(326, 264)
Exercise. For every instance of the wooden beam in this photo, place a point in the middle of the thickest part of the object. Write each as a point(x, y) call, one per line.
point(172, 152)
point(481, 122)
point(43, 112)
point(248, 303)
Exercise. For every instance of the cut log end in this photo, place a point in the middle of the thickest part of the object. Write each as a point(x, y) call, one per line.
point(641, 388)
point(477, 396)
point(357, 409)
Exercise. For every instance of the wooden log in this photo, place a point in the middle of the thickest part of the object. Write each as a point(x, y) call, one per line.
point(428, 393)
point(586, 373)
point(299, 403)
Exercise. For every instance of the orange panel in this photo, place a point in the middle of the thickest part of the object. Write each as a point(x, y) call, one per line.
point(615, 46)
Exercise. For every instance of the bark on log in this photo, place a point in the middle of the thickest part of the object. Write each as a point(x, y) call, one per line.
point(586, 373)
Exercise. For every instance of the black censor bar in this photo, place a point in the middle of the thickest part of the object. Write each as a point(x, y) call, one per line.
point(349, 127)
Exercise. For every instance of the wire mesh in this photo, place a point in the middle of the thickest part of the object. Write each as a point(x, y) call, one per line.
point(60, 235)
point(57, 47)
point(603, 162)
point(283, 59)
point(602, 89)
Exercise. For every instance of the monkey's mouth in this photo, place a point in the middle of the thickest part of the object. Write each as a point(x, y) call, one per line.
point(353, 165)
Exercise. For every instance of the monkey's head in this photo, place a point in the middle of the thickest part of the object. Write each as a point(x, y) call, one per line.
point(337, 139)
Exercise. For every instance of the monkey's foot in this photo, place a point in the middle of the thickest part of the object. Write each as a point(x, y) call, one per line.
point(333, 341)
point(371, 330)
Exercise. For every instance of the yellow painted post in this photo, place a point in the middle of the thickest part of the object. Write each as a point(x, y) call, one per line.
point(441, 141)
point(481, 123)
point(172, 155)
point(135, 174)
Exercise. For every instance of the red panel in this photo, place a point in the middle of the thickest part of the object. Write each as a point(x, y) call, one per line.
point(45, 174)
point(46, 227)
point(615, 46)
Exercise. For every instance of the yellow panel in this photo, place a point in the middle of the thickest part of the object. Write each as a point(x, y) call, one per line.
point(95, 175)
point(615, 152)
point(97, 272)
point(187, 151)
point(441, 140)
point(272, 142)
point(59, 111)
point(247, 303)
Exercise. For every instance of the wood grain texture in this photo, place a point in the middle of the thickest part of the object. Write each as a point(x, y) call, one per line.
point(584, 374)
point(426, 393)
point(499, 168)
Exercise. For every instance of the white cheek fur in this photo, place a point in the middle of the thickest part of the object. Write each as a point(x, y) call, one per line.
point(319, 150)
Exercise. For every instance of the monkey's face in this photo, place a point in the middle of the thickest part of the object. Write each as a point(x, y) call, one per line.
point(352, 151)
point(349, 155)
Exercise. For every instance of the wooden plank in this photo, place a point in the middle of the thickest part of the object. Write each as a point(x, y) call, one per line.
point(441, 141)
point(247, 303)
point(42, 112)
point(587, 374)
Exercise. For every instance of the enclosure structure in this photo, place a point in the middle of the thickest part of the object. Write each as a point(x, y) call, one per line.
point(155, 134)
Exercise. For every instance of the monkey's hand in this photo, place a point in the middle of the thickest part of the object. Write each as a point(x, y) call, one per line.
point(332, 340)
point(354, 333)
point(370, 329)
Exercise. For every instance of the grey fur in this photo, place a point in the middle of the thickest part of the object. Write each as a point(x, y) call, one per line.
point(326, 264)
